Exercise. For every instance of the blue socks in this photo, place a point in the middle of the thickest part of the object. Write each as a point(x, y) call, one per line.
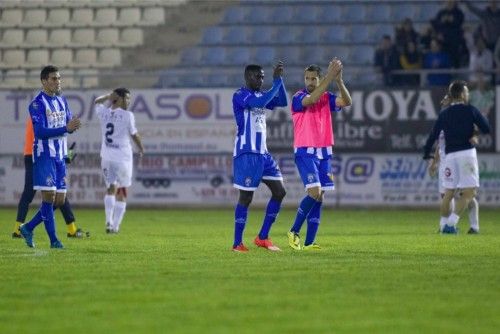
point(313, 220)
point(47, 211)
point(35, 221)
point(272, 210)
point(304, 208)
point(240, 220)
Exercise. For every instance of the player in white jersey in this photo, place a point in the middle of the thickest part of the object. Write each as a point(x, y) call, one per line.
point(438, 166)
point(118, 126)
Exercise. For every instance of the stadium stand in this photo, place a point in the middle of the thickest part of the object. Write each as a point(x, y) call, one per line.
point(182, 38)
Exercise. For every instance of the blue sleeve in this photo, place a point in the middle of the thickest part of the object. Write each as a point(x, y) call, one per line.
point(480, 121)
point(262, 101)
point(279, 100)
point(297, 101)
point(37, 113)
point(333, 106)
point(432, 137)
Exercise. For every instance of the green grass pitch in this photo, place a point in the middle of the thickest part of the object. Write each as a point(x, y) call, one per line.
point(172, 271)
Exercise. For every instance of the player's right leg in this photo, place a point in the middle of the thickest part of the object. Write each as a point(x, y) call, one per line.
point(247, 173)
point(308, 167)
point(110, 179)
point(44, 179)
point(26, 196)
point(123, 181)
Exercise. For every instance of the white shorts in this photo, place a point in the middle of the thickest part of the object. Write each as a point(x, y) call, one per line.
point(441, 175)
point(117, 173)
point(461, 170)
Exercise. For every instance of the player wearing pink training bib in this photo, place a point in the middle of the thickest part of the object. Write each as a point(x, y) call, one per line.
point(313, 141)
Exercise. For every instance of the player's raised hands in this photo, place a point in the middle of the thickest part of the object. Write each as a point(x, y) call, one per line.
point(73, 125)
point(278, 70)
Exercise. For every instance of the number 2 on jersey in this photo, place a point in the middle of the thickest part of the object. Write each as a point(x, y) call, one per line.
point(111, 129)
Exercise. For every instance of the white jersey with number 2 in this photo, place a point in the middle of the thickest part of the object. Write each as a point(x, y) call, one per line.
point(117, 126)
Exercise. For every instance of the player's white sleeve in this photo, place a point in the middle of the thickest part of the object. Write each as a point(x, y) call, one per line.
point(131, 128)
point(99, 109)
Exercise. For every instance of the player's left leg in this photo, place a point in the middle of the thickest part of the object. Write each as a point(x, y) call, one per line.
point(69, 218)
point(120, 208)
point(273, 179)
point(124, 180)
point(314, 217)
point(473, 216)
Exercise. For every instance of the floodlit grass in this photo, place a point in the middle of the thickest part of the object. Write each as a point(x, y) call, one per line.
point(172, 271)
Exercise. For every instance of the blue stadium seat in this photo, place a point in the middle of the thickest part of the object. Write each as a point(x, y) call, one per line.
point(234, 15)
point(215, 79)
point(214, 55)
point(401, 11)
point(329, 14)
point(306, 14)
point(265, 55)
point(236, 35)
point(191, 56)
point(291, 56)
point(381, 30)
point(341, 52)
point(258, 14)
point(428, 11)
point(212, 35)
point(282, 14)
point(311, 35)
point(360, 33)
point(238, 56)
point(354, 12)
point(287, 35)
point(335, 34)
point(262, 35)
point(379, 13)
point(361, 55)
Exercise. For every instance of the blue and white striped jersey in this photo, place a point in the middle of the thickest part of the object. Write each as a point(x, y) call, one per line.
point(49, 115)
point(251, 118)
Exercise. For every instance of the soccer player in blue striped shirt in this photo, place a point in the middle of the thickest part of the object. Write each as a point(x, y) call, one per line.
point(52, 121)
point(252, 163)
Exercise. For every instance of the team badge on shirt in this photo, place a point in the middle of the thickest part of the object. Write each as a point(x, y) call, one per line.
point(248, 181)
point(49, 181)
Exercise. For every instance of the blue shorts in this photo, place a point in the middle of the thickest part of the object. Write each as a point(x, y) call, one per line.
point(49, 174)
point(315, 172)
point(250, 168)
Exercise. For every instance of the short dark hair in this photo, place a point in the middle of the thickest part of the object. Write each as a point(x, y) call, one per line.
point(121, 91)
point(44, 74)
point(252, 68)
point(313, 68)
point(457, 87)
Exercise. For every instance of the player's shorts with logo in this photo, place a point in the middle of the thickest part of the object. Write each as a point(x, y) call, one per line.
point(315, 171)
point(250, 168)
point(118, 173)
point(461, 170)
point(49, 174)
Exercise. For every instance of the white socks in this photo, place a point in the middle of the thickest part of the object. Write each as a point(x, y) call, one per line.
point(474, 214)
point(453, 219)
point(442, 222)
point(109, 206)
point(118, 213)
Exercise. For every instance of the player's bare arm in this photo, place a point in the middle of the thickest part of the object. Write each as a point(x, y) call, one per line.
point(278, 70)
point(73, 125)
point(313, 97)
point(106, 98)
point(434, 163)
point(137, 140)
point(344, 99)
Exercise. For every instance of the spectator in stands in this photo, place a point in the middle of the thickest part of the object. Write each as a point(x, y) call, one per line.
point(448, 22)
point(490, 21)
point(410, 59)
point(482, 96)
point(405, 33)
point(481, 60)
point(435, 59)
point(386, 60)
point(426, 36)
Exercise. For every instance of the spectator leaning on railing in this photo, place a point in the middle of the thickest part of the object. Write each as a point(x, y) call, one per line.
point(386, 60)
point(481, 60)
point(435, 59)
point(410, 59)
